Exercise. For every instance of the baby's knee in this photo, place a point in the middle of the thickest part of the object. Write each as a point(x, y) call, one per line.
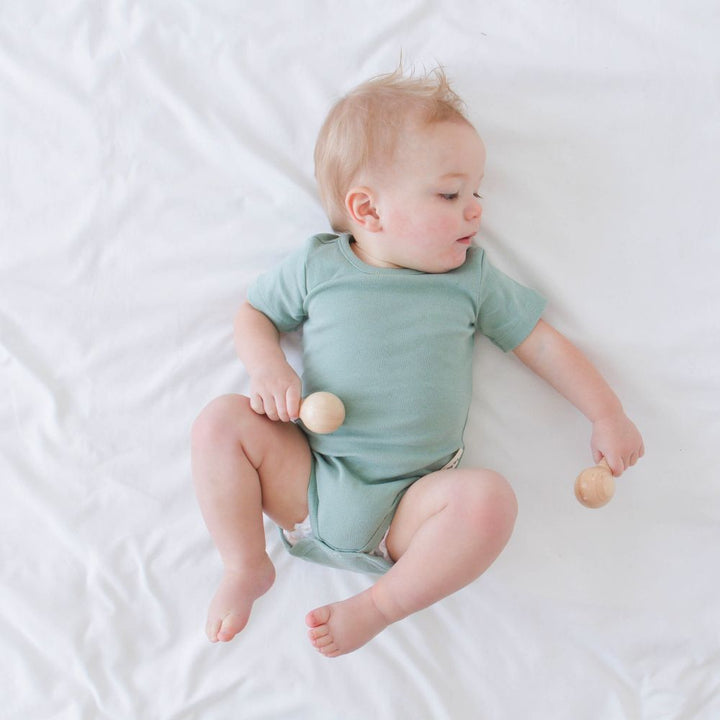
point(489, 500)
point(220, 422)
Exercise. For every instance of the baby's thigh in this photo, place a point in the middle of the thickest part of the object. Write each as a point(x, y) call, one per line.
point(285, 473)
point(477, 499)
point(277, 451)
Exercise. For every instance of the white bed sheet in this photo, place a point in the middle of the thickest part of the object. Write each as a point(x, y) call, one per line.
point(156, 156)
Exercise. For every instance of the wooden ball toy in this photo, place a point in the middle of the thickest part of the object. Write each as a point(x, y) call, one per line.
point(595, 486)
point(322, 412)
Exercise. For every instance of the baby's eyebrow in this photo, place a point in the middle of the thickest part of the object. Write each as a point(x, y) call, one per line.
point(452, 175)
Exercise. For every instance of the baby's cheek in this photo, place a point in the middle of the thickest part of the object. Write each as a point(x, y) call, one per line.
point(405, 223)
point(444, 226)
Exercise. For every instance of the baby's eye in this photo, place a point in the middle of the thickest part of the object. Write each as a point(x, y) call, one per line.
point(478, 196)
point(449, 196)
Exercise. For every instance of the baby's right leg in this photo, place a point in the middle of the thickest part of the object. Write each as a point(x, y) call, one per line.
point(244, 463)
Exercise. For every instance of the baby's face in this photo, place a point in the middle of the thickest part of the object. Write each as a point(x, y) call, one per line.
point(428, 201)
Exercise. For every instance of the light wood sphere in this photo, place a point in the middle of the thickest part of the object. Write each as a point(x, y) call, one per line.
point(595, 486)
point(322, 412)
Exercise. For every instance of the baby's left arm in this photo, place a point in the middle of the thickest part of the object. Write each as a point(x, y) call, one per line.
point(554, 358)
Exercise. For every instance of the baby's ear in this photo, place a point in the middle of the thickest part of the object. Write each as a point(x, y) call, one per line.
point(361, 208)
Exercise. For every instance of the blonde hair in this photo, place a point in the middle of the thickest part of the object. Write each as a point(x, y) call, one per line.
point(362, 130)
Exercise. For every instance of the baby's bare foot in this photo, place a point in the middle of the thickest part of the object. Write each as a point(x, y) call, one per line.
point(230, 608)
point(345, 626)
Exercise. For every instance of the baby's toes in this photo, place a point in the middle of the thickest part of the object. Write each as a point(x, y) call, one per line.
point(330, 650)
point(325, 645)
point(318, 633)
point(212, 628)
point(318, 617)
point(322, 642)
point(232, 624)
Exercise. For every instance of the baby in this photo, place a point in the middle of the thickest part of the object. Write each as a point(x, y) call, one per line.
point(389, 306)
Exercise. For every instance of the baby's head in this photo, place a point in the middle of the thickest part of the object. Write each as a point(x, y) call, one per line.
point(362, 131)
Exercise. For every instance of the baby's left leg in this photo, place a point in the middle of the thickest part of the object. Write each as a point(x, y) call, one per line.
point(449, 528)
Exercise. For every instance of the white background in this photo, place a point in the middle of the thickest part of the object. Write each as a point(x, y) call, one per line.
point(155, 157)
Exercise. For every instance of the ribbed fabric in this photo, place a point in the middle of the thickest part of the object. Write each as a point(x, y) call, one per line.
point(396, 346)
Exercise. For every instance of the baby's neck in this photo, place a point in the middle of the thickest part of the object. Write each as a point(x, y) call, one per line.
point(367, 257)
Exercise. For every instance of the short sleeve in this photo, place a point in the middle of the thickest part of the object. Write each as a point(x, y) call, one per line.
point(280, 293)
point(507, 310)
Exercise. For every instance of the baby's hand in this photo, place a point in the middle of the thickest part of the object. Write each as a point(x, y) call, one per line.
point(616, 439)
point(275, 392)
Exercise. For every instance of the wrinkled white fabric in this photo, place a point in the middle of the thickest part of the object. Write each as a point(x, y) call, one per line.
point(155, 158)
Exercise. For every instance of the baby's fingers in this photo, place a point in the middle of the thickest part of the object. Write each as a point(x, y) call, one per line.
point(271, 408)
point(288, 403)
point(264, 405)
point(635, 456)
point(631, 455)
point(256, 403)
point(292, 398)
point(281, 408)
point(616, 464)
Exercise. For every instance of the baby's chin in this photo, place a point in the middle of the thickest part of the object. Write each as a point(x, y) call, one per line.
point(456, 262)
point(440, 269)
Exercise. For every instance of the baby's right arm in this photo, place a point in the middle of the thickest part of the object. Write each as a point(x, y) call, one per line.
point(275, 388)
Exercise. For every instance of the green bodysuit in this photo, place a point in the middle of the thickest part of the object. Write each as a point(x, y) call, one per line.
point(396, 346)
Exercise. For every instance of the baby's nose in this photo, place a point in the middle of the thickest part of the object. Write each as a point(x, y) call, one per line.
point(474, 210)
